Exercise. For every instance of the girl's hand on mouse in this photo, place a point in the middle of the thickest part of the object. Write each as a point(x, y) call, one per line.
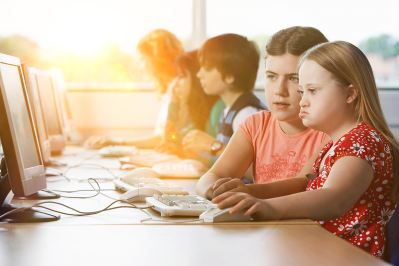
point(239, 202)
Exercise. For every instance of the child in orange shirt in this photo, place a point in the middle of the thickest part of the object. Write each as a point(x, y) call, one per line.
point(276, 143)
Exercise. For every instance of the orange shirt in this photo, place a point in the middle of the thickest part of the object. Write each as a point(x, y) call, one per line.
point(278, 155)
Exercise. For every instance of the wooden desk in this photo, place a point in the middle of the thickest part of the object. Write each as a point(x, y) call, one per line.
point(118, 238)
point(175, 245)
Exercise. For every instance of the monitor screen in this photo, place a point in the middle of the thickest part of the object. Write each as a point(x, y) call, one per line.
point(18, 134)
point(31, 75)
point(49, 103)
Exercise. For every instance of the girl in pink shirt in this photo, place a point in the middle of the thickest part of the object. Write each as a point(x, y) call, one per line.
point(354, 184)
point(277, 144)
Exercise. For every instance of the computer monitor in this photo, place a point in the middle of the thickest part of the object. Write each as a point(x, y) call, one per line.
point(30, 75)
point(53, 121)
point(21, 147)
point(22, 166)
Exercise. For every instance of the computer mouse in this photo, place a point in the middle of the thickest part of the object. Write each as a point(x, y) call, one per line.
point(141, 174)
point(139, 194)
point(216, 215)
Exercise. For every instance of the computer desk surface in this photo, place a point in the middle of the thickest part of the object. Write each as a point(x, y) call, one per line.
point(46, 244)
point(119, 237)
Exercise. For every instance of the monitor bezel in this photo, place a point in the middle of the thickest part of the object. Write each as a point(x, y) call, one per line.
point(43, 74)
point(23, 181)
point(57, 139)
point(56, 82)
point(30, 75)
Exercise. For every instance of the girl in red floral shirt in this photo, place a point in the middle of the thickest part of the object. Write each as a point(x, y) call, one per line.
point(353, 186)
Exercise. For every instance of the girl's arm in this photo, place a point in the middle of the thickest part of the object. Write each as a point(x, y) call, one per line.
point(233, 163)
point(273, 189)
point(348, 180)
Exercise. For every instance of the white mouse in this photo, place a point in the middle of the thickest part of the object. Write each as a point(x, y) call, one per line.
point(216, 215)
point(139, 194)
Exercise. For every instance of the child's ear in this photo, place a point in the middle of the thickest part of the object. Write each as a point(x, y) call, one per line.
point(352, 94)
point(229, 79)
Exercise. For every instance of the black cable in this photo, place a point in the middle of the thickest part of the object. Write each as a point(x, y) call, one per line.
point(98, 191)
point(82, 213)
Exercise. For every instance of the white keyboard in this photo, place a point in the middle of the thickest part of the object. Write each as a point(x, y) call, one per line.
point(150, 158)
point(138, 182)
point(181, 169)
point(117, 151)
point(179, 205)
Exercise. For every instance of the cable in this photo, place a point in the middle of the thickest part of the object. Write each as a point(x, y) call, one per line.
point(18, 210)
point(82, 213)
point(98, 191)
point(63, 173)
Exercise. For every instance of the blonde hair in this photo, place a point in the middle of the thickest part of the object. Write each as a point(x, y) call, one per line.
point(161, 48)
point(350, 66)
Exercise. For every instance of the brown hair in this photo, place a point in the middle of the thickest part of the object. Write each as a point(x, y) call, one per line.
point(199, 103)
point(350, 66)
point(294, 40)
point(232, 54)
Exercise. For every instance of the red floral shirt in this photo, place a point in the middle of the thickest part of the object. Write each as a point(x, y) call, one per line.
point(364, 224)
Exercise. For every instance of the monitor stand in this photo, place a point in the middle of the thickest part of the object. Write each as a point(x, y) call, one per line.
point(25, 216)
point(40, 195)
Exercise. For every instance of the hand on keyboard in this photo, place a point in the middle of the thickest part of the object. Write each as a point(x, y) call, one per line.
point(223, 185)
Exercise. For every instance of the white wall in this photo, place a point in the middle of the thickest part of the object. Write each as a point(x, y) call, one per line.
point(127, 113)
point(117, 113)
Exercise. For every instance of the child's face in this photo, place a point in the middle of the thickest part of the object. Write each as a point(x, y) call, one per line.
point(281, 87)
point(183, 86)
point(212, 81)
point(324, 104)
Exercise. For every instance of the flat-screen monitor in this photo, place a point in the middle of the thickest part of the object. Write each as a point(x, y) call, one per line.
point(22, 169)
point(52, 115)
point(31, 75)
point(18, 135)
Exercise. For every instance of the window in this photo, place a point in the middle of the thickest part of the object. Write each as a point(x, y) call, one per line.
point(92, 41)
point(373, 26)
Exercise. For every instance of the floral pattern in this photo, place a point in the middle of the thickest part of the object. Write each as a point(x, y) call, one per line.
point(364, 224)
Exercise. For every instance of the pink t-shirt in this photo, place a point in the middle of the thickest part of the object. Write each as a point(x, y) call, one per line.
point(278, 155)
